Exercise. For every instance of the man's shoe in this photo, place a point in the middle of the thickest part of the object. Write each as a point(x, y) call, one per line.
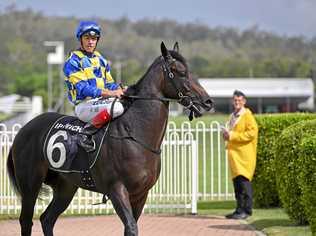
point(230, 216)
point(240, 216)
point(86, 143)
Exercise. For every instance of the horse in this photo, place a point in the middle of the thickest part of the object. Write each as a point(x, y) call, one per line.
point(127, 166)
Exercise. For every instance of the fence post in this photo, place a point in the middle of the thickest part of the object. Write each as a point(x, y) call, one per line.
point(194, 178)
point(37, 106)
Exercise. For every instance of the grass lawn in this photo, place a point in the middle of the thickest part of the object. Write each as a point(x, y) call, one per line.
point(270, 221)
point(3, 116)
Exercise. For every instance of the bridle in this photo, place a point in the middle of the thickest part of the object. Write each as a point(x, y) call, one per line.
point(184, 100)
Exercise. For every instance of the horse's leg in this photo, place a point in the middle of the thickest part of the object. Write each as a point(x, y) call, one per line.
point(30, 182)
point(63, 193)
point(120, 200)
point(27, 210)
point(138, 205)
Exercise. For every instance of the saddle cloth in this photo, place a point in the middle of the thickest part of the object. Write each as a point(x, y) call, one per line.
point(61, 146)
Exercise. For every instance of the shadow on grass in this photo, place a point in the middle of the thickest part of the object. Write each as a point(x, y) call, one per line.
point(239, 227)
point(266, 223)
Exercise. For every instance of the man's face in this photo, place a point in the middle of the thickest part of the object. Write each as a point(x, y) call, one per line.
point(89, 43)
point(238, 102)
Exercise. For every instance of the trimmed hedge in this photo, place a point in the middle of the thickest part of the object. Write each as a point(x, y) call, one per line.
point(307, 178)
point(288, 168)
point(264, 182)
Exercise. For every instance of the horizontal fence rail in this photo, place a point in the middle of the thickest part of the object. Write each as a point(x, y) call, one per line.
point(193, 167)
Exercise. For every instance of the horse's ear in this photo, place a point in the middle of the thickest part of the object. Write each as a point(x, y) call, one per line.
point(176, 47)
point(164, 50)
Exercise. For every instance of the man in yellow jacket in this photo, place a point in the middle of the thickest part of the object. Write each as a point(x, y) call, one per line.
point(241, 137)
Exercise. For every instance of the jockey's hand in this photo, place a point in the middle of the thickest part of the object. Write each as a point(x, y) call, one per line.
point(124, 88)
point(112, 93)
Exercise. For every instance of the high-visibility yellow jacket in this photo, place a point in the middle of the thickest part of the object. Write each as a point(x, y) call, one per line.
point(242, 145)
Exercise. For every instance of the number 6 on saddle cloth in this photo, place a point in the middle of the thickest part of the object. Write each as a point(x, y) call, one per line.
point(62, 152)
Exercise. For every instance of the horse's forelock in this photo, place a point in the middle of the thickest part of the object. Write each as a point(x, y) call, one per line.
point(179, 58)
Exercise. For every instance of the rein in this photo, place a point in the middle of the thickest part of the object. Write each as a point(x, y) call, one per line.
point(161, 99)
point(143, 144)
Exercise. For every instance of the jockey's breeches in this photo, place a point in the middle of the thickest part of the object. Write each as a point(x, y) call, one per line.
point(90, 109)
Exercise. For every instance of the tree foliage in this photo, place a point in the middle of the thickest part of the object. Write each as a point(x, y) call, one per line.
point(216, 52)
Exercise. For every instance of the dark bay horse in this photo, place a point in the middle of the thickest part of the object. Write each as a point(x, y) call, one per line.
point(127, 168)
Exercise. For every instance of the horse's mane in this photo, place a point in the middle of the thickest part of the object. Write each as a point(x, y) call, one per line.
point(134, 89)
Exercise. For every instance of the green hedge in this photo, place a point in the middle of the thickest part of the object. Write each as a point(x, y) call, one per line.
point(288, 169)
point(307, 178)
point(270, 127)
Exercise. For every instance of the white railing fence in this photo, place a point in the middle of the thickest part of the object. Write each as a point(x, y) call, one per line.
point(193, 167)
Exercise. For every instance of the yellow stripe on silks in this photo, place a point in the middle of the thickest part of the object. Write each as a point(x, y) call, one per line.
point(100, 83)
point(97, 53)
point(73, 94)
point(103, 71)
point(109, 78)
point(79, 54)
point(76, 77)
point(89, 73)
point(95, 62)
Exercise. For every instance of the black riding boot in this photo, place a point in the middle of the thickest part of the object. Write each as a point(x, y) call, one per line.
point(86, 140)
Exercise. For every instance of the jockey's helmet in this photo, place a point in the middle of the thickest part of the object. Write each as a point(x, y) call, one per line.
point(88, 27)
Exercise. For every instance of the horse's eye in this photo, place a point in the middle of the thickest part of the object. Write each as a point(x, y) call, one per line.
point(181, 73)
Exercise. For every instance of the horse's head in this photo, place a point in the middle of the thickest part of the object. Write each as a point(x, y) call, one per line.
point(178, 83)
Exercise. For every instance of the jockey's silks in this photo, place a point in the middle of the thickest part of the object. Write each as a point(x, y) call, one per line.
point(86, 76)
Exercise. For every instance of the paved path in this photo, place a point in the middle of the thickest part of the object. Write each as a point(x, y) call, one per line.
point(148, 225)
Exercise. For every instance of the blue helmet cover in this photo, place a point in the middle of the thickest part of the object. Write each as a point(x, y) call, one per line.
point(88, 26)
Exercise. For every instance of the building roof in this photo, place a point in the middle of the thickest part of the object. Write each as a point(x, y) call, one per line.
point(259, 87)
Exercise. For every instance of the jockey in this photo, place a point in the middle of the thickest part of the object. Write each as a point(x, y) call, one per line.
point(88, 80)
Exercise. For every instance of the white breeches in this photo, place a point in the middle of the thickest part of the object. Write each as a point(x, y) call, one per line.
point(87, 110)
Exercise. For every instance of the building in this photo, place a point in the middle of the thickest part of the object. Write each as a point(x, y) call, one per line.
point(264, 95)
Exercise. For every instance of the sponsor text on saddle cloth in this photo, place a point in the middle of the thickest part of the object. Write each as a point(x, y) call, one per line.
point(61, 148)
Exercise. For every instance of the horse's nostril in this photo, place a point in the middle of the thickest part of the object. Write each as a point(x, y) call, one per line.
point(208, 104)
point(209, 101)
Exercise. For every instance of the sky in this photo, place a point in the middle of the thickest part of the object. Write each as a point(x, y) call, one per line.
point(283, 17)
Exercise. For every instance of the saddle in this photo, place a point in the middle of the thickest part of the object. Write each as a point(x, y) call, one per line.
point(63, 153)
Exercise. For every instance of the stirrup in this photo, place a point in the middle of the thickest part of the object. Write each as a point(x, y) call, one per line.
point(93, 148)
point(86, 147)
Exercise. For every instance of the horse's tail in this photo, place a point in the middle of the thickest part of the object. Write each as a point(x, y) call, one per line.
point(11, 173)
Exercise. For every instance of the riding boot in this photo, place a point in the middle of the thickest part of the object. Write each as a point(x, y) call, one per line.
point(86, 140)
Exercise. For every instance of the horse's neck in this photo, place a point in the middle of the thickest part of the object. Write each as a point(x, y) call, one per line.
point(151, 115)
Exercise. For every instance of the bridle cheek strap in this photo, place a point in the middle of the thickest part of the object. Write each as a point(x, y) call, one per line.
point(186, 101)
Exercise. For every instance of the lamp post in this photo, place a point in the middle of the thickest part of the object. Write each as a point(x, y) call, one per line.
point(54, 58)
